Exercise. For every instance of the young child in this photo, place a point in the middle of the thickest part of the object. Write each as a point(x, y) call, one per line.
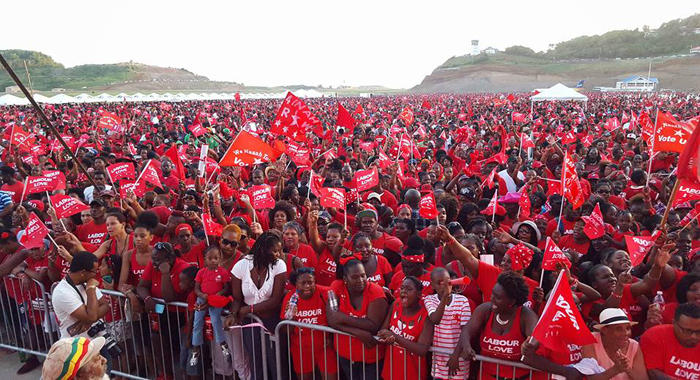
point(213, 279)
point(449, 312)
point(624, 226)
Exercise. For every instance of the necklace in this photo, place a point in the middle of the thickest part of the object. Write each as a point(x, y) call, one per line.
point(500, 321)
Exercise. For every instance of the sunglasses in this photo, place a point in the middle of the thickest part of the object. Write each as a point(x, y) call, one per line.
point(306, 270)
point(232, 243)
point(164, 247)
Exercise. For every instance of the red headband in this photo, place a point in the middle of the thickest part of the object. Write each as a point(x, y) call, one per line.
point(182, 226)
point(404, 206)
point(344, 260)
point(415, 258)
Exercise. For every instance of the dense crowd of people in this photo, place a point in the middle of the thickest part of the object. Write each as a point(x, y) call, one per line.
point(395, 281)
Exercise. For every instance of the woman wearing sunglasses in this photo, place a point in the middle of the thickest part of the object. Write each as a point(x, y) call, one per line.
point(311, 309)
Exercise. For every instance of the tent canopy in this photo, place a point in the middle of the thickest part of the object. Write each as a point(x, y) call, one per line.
point(559, 92)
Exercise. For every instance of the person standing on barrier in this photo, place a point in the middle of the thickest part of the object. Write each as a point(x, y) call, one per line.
point(407, 331)
point(310, 309)
point(77, 301)
point(258, 287)
point(212, 280)
point(503, 325)
point(362, 310)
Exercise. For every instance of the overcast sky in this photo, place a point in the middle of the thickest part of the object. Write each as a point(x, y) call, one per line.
point(257, 42)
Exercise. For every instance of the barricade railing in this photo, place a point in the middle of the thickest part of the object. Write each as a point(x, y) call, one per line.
point(156, 344)
point(503, 368)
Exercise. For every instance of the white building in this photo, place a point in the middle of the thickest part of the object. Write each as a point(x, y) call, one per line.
point(475, 47)
point(490, 50)
point(637, 83)
point(695, 50)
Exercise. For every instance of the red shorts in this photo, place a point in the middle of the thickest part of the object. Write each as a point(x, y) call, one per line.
point(323, 358)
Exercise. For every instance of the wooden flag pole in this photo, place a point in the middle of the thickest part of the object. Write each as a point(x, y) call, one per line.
point(44, 118)
point(670, 202)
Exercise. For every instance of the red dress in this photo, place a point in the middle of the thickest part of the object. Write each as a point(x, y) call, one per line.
point(504, 347)
point(397, 358)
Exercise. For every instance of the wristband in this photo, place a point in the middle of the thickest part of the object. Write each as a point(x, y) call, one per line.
point(146, 299)
point(252, 309)
point(91, 287)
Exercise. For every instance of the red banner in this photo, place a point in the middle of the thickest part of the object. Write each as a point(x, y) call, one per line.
point(110, 121)
point(57, 177)
point(571, 187)
point(261, 197)
point(366, 179)
point(561, 324)
point(595, 226)
point(211, 228)
point(121, 170)
point(671, 134)
point(139, 188)
point(294, 119)
point(39, 184)
point(333, 197)
point(66, 206)
point(35, 233)
point(316, 184)
point(407, 116)
point(150, 174)
point(247, 149)
point(428, 207)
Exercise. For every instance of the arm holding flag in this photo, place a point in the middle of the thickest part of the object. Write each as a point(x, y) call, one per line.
point(462, 254)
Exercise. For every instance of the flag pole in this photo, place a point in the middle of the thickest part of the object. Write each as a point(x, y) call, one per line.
point(653, 140)
point(670, 202)
point(311, 177)
point(24, 190)
point(44, 118)
point(121, 202)
point(495, 207)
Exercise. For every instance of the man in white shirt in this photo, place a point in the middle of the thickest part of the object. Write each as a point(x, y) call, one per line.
point(100, 178)
point(512, 175)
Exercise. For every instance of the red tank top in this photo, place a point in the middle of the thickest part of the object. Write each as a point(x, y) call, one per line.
point(504, 347)
point(326, 269)
point(113, 246)
point(410, 329)
point(135, 270)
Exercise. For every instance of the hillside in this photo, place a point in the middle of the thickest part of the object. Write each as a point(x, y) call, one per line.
point(601, 60)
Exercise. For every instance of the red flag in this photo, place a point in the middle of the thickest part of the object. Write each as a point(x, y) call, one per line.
point(561, 324)
point(569, 137)
point(66, 206)
point(19, 137)
point(366, 179)
point(121, 170)
point(489, 180)
point(519, 117)
point(510, 98)
point(524, 204)
point(150, 174)
point(58, 179)
point(492, 208)
point(407, 116)
point(330, 154)
point(247, 149)
point(316, 184)
point(638, 246)
point(553, 255)
point(526, 141)
point(687, 191)
point(333, 197)
point(139, 188)
point(261, 197)
point(671, 134)
point(237, 97)
point(428, 207)
point(211, 228)
point(688, 168)
point(110, 121)
point(426, 105)
point(571, 187)
point(612, 124)
point(595, 227)
point(359, 110)
point(35, 233)
point(384, 160)
point(345, 120)
point(174, 157)
point(196, 127)
point(294, 119)
point(38, 184)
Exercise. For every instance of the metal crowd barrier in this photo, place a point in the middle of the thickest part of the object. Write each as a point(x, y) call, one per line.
point(153, 345)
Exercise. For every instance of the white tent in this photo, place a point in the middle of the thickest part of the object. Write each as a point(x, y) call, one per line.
point(61, 99)
point(11, 100)
point(41, 98)
point(559, 92)
point(105, 97)
point(84, 98)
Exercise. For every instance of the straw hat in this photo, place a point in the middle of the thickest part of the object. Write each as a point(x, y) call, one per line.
point(68, 355)
point(612, 316)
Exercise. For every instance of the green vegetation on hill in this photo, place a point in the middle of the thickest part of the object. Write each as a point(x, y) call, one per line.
point(46, 74)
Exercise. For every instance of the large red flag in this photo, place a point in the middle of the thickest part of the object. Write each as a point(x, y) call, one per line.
point(294, 119)
point(121, 170)
point(595, 227)
point(571, 187)
point(638, 246)
point(261, 197)
point(333, 197)
point(39, 184)
point(345, 120)
point(110, 121)
point(407, 116)
point(66, 206)
point(57, 177)
point(35, 233)
point(688, 168)
point(687, 191)
point(671, 134)
point(247, 149)
point(428, 207)
point(366, 179)
point(561, 323)
point(174, 157)
point(316, 183)
point(552, 255)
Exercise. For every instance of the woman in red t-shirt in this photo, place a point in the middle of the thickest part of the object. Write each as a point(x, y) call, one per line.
point(311, 309)
point(362, 310)
point(290, 237)
point(326, 264)
point(377, 267)
point(407, 331)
